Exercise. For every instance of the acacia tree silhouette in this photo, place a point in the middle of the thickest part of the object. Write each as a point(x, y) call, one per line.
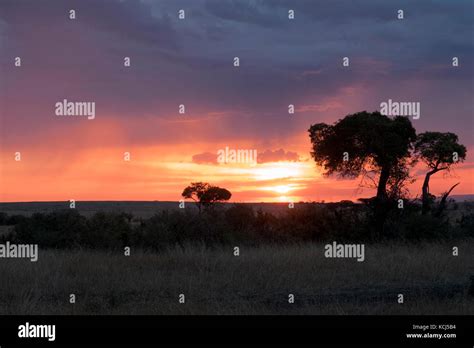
point(439, 151)
point(205, 194)
point(364, 141)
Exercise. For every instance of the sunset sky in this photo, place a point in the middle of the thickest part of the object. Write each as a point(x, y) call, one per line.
point(190, 62)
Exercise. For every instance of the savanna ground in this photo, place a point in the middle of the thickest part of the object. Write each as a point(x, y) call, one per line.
point(214, 281)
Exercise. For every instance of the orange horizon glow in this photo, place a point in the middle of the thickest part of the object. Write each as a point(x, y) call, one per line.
point(161, 173)
point(87, 164)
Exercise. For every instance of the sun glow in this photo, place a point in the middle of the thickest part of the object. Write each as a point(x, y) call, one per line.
point(284, 199)
point(280, 188)
point(281, 170)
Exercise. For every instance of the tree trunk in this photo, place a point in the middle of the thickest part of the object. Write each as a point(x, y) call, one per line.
point(425, 198)
point(442, 204)
point(381, 201)
point(382, 186)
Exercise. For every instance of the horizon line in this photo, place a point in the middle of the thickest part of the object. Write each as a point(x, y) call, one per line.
point(469, 196)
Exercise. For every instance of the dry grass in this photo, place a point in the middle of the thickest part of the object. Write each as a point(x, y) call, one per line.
point(257, 282)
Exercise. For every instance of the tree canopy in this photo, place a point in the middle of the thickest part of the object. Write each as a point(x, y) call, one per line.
point(360, 141)
point(205, 194)
point(439, 150)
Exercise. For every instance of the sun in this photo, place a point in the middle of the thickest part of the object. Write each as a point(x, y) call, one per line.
point(282, 188)
point(273, 171)
point(283, 199)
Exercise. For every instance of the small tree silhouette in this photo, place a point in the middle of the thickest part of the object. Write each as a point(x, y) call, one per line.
point(205, 194)
point(439, 151)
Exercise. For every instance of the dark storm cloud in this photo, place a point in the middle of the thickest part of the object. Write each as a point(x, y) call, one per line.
point(247, 12)
point(129, 22)
point(190, 61)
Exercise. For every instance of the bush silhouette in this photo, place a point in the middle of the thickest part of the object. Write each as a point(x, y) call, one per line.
point(239, 223)
point(61, 229)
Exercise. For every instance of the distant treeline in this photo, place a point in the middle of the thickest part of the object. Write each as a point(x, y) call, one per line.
point(234, 224)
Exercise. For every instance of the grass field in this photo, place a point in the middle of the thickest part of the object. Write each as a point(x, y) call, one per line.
point(258, 281)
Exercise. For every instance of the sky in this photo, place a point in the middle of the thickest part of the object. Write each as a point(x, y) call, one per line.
point(190, 62)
